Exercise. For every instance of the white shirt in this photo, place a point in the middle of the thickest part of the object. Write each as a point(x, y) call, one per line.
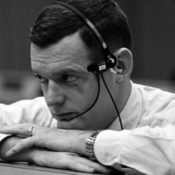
point(147, 142)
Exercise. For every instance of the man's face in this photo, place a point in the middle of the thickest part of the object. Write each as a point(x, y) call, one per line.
point(69, 89)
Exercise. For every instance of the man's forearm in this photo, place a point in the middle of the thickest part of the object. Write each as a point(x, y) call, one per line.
point(49, 138)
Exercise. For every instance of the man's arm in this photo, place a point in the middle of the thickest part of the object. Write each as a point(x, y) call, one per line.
point(36, 111)
point(148, 150)
point(48, 158)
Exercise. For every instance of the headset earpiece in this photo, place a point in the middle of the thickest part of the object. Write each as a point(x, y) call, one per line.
point(103, 64)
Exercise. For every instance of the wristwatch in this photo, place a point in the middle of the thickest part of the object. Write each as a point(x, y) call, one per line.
point(89, 145)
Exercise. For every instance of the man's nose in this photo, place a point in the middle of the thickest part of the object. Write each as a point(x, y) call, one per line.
point(55, 94)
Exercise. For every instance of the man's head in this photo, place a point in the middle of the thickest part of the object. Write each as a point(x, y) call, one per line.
point(62, 48)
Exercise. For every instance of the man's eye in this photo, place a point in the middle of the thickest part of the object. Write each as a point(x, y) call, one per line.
point(69, 78)
point(41, 79)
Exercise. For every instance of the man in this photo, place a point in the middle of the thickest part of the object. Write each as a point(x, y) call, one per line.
point(99, 113)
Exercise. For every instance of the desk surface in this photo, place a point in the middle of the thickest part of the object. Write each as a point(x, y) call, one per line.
point(25, 169)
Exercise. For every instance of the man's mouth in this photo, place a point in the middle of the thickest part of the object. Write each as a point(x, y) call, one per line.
point(65, 116)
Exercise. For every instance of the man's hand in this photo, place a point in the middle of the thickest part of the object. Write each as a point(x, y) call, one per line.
point(49, 138)
point(64, 160)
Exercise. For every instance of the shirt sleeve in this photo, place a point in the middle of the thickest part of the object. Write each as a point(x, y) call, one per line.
point(25, 111)
point(148, 150)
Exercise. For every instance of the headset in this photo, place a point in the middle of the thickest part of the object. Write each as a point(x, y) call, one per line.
point(108, 62)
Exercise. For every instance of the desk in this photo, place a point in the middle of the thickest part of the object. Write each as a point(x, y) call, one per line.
point(25, 169)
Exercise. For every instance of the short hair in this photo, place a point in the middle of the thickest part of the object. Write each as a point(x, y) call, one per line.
point(55, 22)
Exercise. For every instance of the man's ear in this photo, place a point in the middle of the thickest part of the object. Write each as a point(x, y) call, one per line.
point(124, 64)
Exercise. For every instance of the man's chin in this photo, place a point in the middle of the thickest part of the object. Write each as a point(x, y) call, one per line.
point(72, 124)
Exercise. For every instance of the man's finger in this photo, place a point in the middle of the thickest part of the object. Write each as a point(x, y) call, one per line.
point(95, 165)
point(76, 166)
point(19, 129)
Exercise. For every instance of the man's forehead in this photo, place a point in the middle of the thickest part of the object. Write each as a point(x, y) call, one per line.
point(58, 67)
point(55, 53)
point(59, 60)
point(54, 59)
point(70, 48)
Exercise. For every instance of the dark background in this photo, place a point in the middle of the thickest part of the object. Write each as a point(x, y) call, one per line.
point(152, 23)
